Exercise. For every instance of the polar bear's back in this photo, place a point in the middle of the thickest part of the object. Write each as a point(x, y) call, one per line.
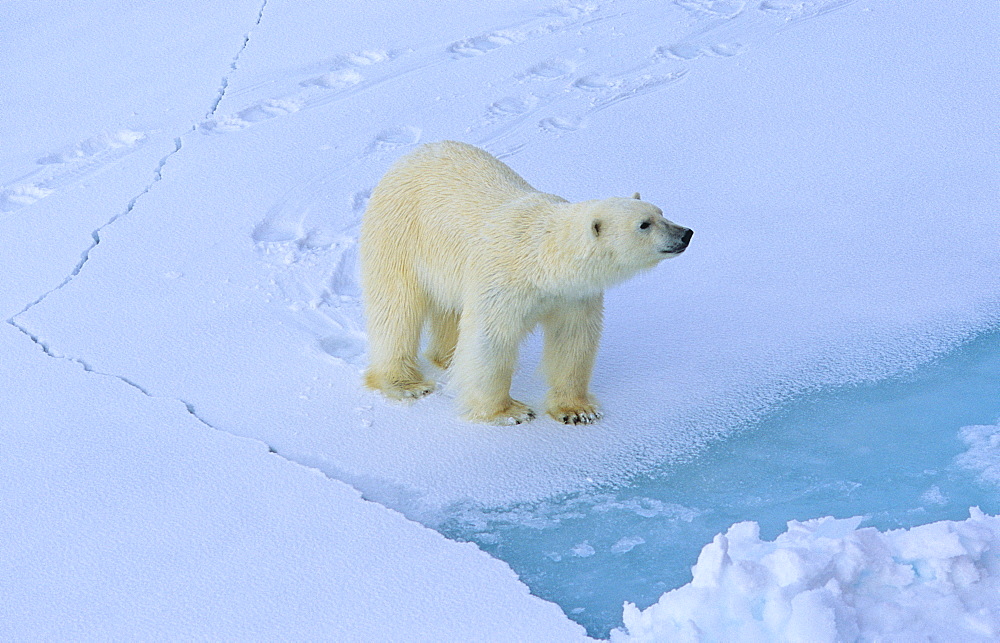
point(439, 210)
point(457, 174)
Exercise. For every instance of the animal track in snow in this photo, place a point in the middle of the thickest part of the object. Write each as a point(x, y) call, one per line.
point(348, 74)
point(309, 241)
point(723, 27)
point(556, 125)
point(680, 52)
point(726, 49)
point(715, 8)
point(551, 69)
point(313, 268)
point(339, 79)
point(607, 91)
point(481, 44)
point(796, 11)
point(686, 51)
point(19, 196)
point(571, 10)
point(346, 346)
point(367, 57)
point(394, 138)
point(343, 78)
point(594, 83)
point(68, 166)
point(564, 110)
point(547, 22)
point(512, 106)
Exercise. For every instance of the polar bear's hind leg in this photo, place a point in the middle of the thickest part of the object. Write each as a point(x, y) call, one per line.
point(396, 308)
point(444, 337)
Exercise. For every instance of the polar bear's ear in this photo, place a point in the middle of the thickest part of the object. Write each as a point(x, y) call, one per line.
point(636, 196)
point(596, 227)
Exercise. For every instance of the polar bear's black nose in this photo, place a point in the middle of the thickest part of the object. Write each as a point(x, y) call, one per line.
point(685, 240)
point(679, 239)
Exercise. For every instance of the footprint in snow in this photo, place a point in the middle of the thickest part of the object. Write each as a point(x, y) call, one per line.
point(726, 49)
point(557, 125)
point(550, 70)
point(605, 92)
point(511, 106)
point(68, 166)
point(395, 138)
point(689, 51)
point(471, 47)
point(19, 196)
point(714, 8)
point(339, 79)
point(796, 11)
point(342, 78)
point(550, 21)
point(367, 58)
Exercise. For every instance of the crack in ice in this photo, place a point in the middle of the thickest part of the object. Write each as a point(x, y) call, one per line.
point(233, 66)
point(190, 409)
point(87, 368)
point(96, 235)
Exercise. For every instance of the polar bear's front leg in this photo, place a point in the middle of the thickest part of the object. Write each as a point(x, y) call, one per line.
point(572, 334)
point(484, 366)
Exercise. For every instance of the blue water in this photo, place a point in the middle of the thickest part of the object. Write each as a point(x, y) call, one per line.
point(883, 450)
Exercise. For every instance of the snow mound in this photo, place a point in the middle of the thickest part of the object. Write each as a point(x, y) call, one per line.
point(827, 580)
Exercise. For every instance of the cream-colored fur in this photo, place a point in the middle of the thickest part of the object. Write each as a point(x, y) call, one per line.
point(454, 237)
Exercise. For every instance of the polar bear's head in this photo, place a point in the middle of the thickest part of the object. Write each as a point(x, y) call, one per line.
point(630, 235)
point(595, 244)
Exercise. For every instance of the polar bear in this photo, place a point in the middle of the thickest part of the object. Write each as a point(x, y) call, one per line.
point(454, 237)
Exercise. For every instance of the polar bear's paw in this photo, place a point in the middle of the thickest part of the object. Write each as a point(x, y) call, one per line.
point(582, 413)
point(410, 390)
point(512, 413)
point(399, 388)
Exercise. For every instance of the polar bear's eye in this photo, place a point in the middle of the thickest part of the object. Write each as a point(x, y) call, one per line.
point(645, 224)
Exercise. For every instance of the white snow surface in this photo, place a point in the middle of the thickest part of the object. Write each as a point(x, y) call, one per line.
point(825, 580)
point(180, 190)
point(122, 517)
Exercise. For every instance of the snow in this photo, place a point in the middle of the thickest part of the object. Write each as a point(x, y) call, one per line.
point(179, 203)
point(124, 517)
point(828, 580)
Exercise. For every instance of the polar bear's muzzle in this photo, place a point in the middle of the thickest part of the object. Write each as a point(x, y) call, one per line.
point(677, 241)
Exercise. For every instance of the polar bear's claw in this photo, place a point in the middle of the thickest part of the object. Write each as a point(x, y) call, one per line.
point(586, 415)
point(520, 416)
